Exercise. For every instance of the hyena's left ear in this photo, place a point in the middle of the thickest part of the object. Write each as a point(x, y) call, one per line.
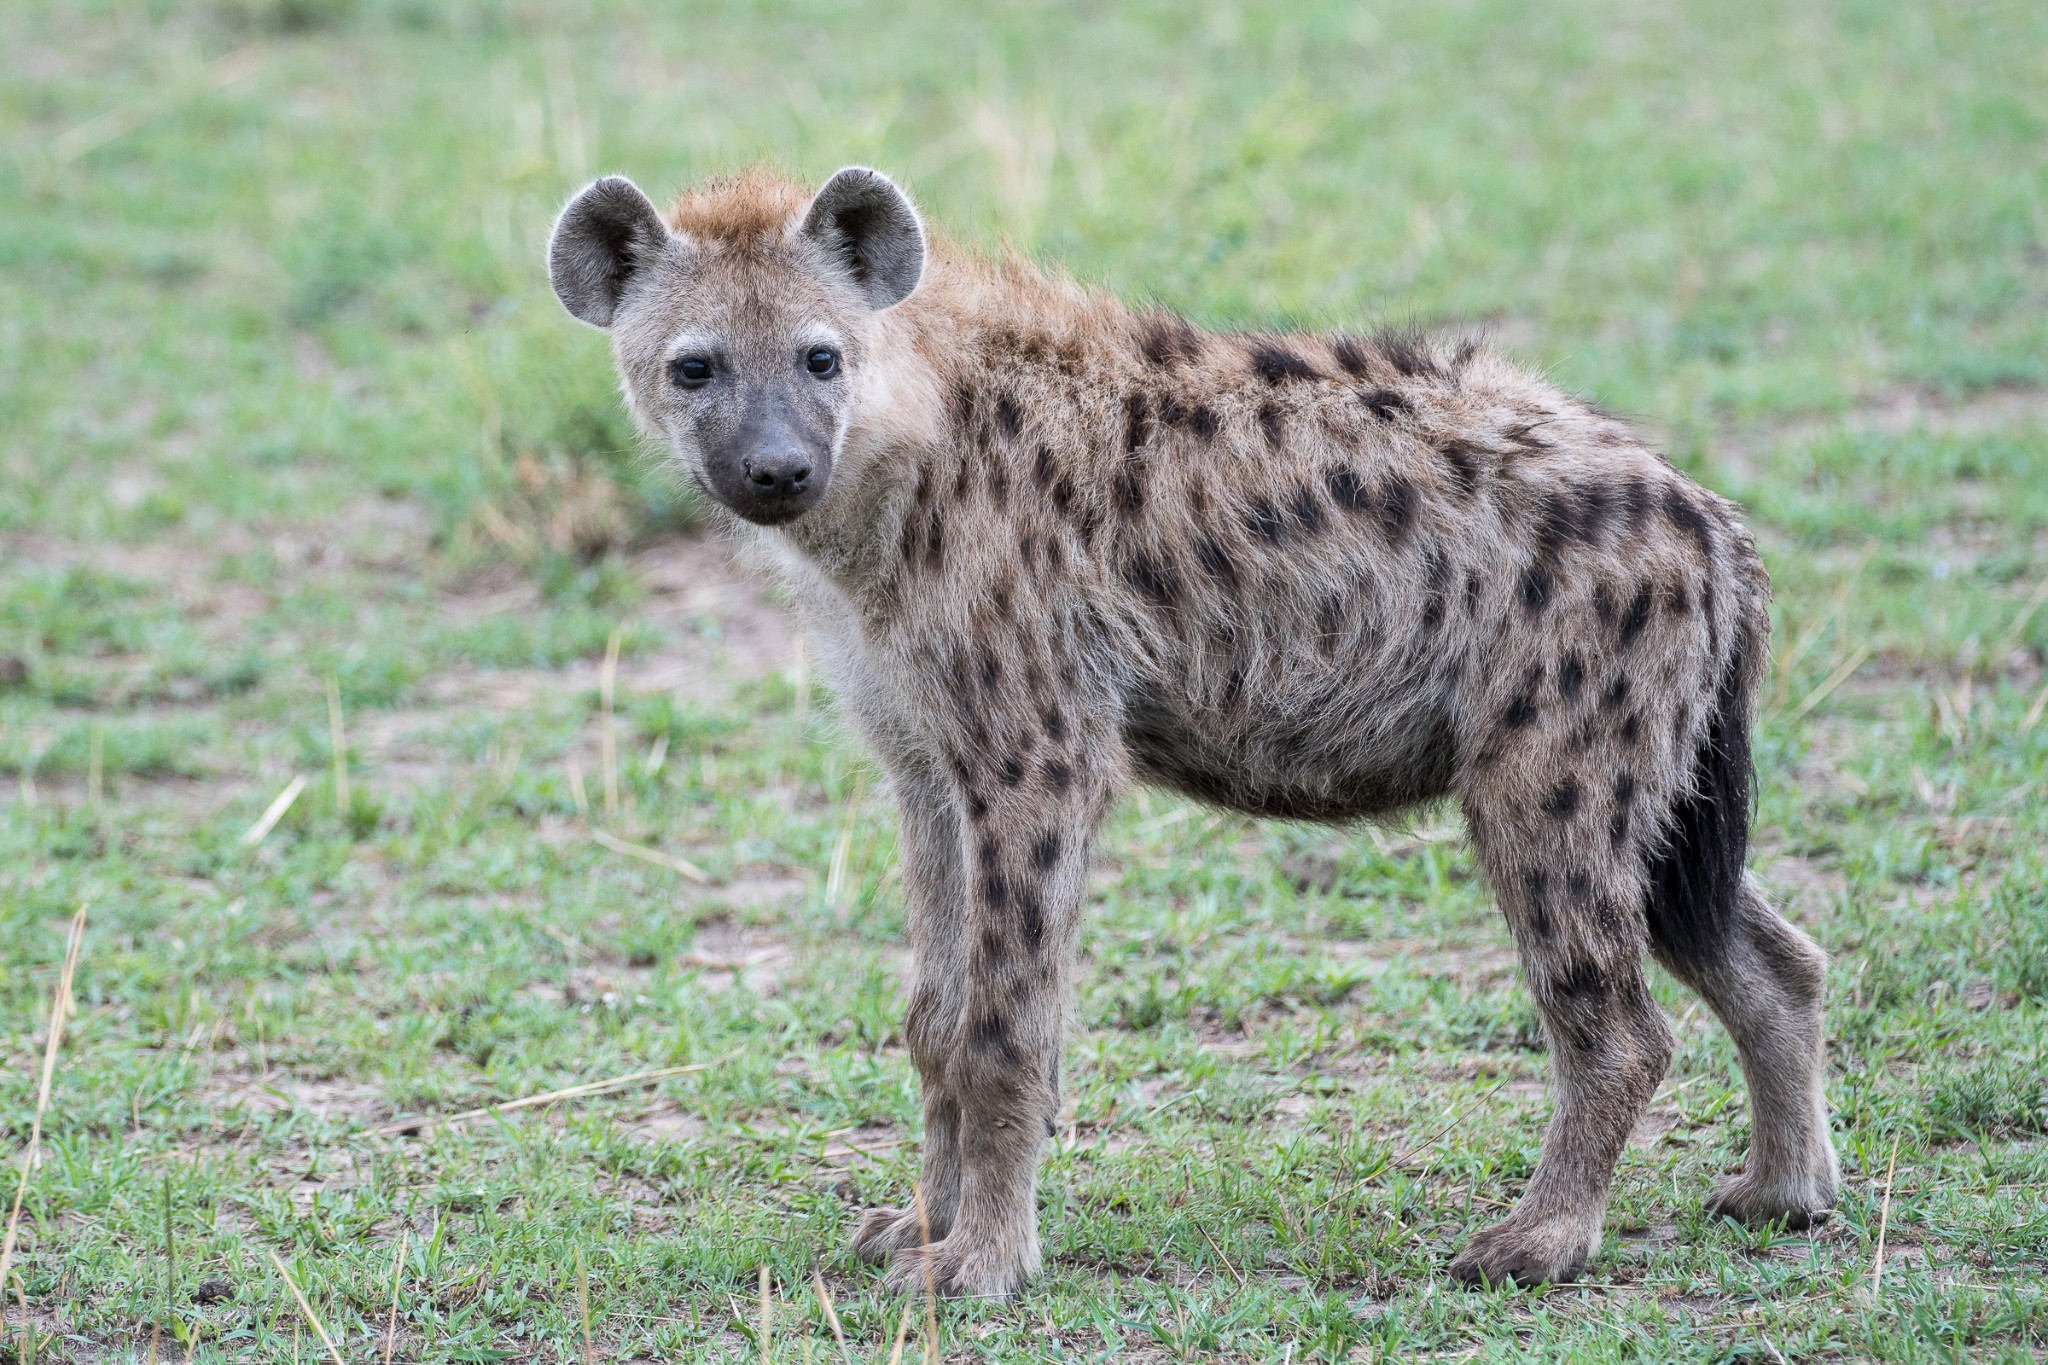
point(869, 226)
point(608, 231)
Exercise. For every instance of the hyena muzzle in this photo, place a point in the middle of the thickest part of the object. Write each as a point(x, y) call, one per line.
point(1048, 546)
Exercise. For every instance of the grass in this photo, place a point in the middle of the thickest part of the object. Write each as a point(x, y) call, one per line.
point(284, 400)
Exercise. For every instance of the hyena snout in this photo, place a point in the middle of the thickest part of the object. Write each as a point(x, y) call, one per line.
point(769, 473)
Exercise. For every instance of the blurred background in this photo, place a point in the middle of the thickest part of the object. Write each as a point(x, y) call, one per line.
point(305, 475)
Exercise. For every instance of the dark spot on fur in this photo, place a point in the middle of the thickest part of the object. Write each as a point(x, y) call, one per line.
point(1216, 560)
point(1263, 519)
point(1007, 418)
point(1058, 775)
point(1684, 512)
point(1536, 890)
point(1063, 494)
point(1603, 603)
point(1520, 712)
point(1137, 421)
point(1043, 469)
point(1535, 589)
point(1408, 353)
point(1156, 580)
point(934, 538)
point(1616, 693)
point(1577, 884)
point(1055, 725)
point(1571, 676)
point(1031, 915)
point(1345, 489)
point(1164, 339)
point(991, 1034)
point(977, 808)
point(995, 887)
point(1045, 852)
point(1350, 356)
point(1308, 512)
point(1635, 618)
point(1563, 799)
point(1202, 421)
point(1675, 600)
point(999, 485)
point(991, 669)
point(1274, 362)
point(1027, 550)
point(1011, 769)
point(1269, 425)
point(1462, 462)
point(1631, 729)
point(1384, 403)
point(1397, 507)
point(1471, 594)
point(993, 949)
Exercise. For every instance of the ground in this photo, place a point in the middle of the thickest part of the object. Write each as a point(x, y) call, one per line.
point(285, 405)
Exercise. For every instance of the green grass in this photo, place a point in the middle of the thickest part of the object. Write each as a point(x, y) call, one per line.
point(284, 398)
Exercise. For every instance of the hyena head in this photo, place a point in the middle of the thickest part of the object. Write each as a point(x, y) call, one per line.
point(742, 322)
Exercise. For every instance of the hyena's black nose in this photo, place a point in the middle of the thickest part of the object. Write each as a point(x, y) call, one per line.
point(784, 473)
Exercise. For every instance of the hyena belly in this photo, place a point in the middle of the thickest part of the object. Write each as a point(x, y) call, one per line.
point(1327, 750)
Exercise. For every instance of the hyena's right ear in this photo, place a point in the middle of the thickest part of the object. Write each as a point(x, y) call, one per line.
point(608, 231)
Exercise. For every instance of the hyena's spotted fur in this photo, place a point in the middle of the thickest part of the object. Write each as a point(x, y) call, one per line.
point(1069, 546)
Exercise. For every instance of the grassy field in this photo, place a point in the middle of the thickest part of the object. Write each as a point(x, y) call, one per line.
point(295, 446)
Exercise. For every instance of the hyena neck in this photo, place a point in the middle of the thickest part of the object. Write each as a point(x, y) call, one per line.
point(927, 357)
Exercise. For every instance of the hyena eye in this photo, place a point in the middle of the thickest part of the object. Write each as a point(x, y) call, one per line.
point(689, 371)
point(823, 362)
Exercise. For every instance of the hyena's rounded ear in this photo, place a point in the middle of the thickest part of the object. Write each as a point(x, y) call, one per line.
point(869, 226)
point(609, 230)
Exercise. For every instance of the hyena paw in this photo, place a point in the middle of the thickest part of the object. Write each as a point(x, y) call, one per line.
point(959, 1269)
point(883, 1231)
point(1798, 1200)
point(1512, 1251)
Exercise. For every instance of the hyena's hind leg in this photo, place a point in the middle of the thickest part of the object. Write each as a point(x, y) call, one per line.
point(1577, 919)
point(928, 847)
point(1764, 978)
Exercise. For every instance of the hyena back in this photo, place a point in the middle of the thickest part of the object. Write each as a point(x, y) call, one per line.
point(1049, 546)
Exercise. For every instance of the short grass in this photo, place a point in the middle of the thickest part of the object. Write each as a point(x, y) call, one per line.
point(284, 401)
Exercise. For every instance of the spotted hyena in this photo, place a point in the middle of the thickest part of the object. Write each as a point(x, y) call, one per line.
point(1049, 545)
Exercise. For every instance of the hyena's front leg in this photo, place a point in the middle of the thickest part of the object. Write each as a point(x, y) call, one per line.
point(1577, 916)
point(928, 849)
point(1025, 850)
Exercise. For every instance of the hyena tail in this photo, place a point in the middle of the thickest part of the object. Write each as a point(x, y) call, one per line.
point(1695, 901)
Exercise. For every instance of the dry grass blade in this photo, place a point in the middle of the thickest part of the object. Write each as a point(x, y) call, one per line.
point(570, 1092)
point(397, 1273)
point(583, 1306)
point(2034, 712)
point(1831, 682)
point(307, 1309)
point(682, 867)
point(902, 1334)
point(1884, 1218)
point(831, 1315)
point(338, 742)
point(62, 1007)
point(931, 1296)
point(607, 682)
point(267, 821)
point(767, 1318)
point(2012, 634)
